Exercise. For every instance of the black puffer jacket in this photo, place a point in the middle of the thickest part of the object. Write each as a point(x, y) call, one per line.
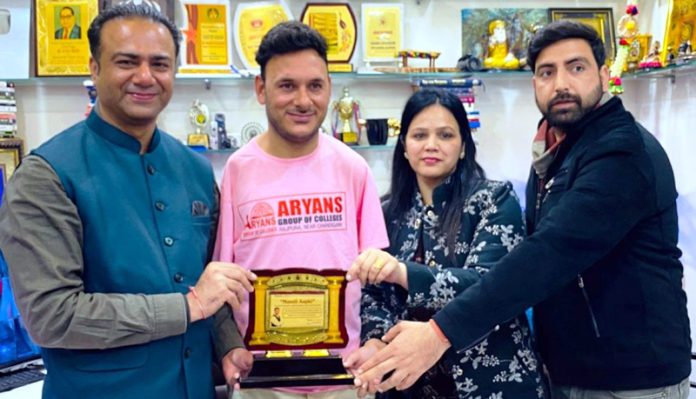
point(601, 264)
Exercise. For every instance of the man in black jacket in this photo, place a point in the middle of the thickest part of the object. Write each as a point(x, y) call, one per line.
point(601, 264)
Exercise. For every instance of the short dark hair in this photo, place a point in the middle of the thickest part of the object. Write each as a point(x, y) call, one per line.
point(561, 30)
point(128, 11)
point(289, 37)
point(465, 178)
point(72, 12)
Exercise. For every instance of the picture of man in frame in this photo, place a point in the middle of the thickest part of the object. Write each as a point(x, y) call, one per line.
point(69, 29)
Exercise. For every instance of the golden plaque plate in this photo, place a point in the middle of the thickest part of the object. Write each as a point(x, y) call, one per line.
point(251, 23)
point(296, 315)
point(297, 309)
point(336, 22)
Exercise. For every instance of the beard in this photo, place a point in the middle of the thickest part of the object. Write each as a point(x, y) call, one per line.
point(566, 118)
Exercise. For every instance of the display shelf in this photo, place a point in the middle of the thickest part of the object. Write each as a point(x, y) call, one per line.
point(670, 72)
point(208, 81)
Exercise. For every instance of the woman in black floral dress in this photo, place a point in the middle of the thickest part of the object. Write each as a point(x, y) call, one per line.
point(447, 225)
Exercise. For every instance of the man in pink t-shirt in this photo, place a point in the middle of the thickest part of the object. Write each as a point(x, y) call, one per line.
point(293, 198)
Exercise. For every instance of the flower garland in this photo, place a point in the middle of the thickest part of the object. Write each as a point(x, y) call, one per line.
point(627, 30)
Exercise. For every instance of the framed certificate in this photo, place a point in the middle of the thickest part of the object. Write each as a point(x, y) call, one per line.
point(382, 31)
point(206, 48)
point(251, 23)
point(62, 48)
point(166, 7)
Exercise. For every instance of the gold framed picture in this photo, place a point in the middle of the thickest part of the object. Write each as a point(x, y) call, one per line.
point(681, 26)
point(10, 156)
point(62, 48)
point(601, 19)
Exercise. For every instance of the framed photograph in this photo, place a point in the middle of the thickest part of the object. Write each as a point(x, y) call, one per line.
point(681, 26)
point(62, 48)
point(519, 26)
point(601, 19)
point(166, 7)
point(10, 155)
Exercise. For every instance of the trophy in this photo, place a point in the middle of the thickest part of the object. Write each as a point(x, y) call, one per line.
point(91, 93)
point(296, 315)
point(346, 112)
point(199, 117)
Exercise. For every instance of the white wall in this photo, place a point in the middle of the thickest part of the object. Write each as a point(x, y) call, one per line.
point(508, 112)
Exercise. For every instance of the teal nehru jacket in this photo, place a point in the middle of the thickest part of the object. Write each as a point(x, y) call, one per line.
point(146, 222)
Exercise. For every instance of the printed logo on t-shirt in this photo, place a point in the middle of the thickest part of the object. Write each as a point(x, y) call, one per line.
point(293, 214)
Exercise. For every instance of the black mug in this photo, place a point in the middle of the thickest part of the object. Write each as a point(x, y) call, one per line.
point(377, 131)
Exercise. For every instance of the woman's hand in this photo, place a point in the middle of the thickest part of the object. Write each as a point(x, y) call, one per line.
point(359, 356)
point(374, 266)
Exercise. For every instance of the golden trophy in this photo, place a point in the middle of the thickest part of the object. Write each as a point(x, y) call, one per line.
point(199, 117)
point(296, 315)
point(346, 112)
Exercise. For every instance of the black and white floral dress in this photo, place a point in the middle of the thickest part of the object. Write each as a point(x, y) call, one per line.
point(504, 364)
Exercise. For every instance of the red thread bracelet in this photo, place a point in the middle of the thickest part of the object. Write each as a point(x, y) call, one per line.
point(194, 294)
point(438, 332)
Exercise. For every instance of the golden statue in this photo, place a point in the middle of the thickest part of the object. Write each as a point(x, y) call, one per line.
point(499, 56)
point(346, 112)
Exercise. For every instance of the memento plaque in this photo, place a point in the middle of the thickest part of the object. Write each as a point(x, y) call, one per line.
point(336, 22)
point(295, 316)
point(251, 23)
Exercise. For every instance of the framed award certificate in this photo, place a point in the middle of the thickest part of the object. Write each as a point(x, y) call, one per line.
point(206, 48)
point(382, 31)
point(251, 23)
point(336, 22)
point(62, 48)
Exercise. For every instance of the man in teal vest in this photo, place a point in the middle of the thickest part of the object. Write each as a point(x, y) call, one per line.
point(107, 230)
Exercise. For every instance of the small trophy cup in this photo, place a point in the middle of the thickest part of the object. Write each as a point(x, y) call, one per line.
point(346, 112)
point(199, 117)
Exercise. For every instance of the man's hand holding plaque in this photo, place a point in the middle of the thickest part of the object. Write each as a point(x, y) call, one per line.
point(221, 283)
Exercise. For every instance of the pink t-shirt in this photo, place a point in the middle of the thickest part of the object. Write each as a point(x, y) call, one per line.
point(318, 211)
